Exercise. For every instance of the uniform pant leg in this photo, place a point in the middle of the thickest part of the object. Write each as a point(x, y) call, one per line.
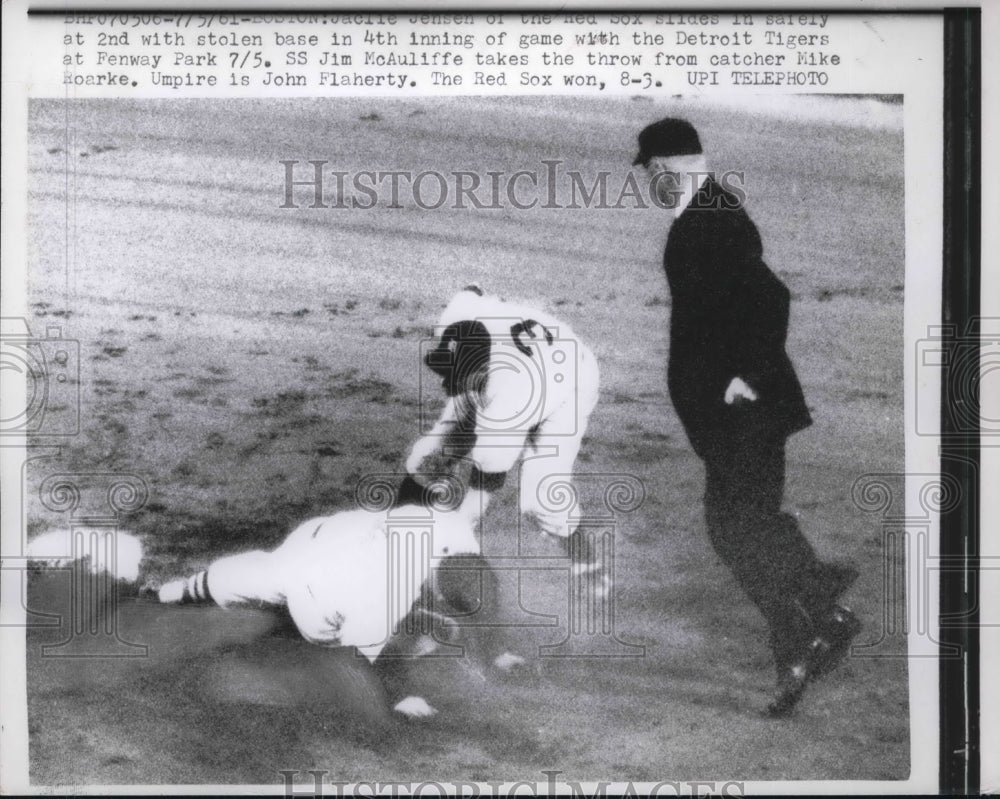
point(546, 482)
point(250, 578)
point(562, 434)
point(258, 577)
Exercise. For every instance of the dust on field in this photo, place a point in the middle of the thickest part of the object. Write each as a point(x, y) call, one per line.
point(251, 364)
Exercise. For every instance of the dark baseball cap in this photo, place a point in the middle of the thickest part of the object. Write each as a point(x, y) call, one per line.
point(667, 137)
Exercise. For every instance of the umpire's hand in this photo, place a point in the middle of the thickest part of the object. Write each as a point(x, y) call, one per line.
point(738, 391)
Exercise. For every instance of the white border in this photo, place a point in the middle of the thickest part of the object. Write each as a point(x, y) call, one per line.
point(923, 181)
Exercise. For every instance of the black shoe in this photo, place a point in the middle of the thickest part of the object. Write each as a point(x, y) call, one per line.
point(825, 586)
point(792, 681)
point(840, 576)
point(833, 642)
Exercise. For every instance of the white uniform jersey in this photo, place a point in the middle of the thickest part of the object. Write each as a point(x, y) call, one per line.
point(538, 387)
point(347, 579)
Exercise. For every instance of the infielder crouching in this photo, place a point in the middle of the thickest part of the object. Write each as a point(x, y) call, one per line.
point(520, 386)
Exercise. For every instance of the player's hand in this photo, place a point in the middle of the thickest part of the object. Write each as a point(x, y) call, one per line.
point(422, 453)
point(437, 465)
point(738, 391)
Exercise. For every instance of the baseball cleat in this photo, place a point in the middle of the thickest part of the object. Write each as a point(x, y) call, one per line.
point(173, 592)
point(823, 654)
point(508, 662)
point(841, 577)
point(792, 682)
point(414, 707)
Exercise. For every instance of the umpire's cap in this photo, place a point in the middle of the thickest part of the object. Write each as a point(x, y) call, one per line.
point(667, 137)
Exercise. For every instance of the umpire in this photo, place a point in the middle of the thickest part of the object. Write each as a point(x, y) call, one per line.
point(738, 397)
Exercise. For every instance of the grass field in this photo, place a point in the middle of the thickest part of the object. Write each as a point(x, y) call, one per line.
point(251, 363)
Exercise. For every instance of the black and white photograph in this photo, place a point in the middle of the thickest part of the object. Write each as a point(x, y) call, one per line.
point(466, 438)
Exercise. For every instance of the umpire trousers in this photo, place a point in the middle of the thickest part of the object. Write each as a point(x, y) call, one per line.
point(764, 548)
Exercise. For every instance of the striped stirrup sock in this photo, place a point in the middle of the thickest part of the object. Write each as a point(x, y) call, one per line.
point(193, 589)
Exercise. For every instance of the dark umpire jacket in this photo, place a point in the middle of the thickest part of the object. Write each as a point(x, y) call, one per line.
point(729, 319)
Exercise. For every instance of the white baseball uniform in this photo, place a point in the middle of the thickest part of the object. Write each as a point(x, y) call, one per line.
point(347, 579)
point(541, 384)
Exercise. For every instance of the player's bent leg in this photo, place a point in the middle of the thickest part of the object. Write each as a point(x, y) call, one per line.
point(591, 563)
point(547, 491)
point(549, 497)
point(543, 499)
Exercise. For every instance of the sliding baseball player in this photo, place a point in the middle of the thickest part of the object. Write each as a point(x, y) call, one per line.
point(358, 578)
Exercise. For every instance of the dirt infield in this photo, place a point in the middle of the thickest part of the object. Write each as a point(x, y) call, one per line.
point(251, 363)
